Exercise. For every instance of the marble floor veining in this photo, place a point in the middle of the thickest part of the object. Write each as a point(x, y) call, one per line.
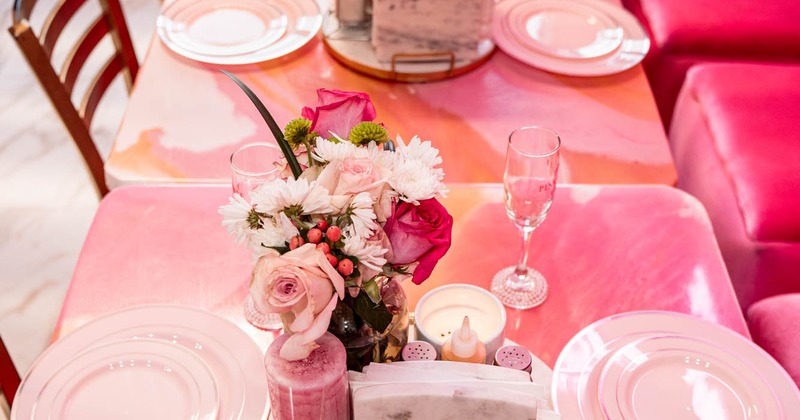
point(47, 199)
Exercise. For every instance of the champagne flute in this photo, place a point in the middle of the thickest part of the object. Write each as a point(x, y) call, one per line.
point(253, 165)
point(529, 183)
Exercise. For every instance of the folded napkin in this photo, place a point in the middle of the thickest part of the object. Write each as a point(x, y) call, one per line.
point(441, 390)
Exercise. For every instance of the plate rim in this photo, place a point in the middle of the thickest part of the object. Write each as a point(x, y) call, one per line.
point(257, 56)
point(118, 348)
point(701, 346)
point(254, 404)
point(633, 49)
point(786, 391)
point(561, 5)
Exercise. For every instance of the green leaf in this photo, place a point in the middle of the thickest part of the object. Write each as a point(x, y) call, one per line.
point(273, 126)
point(372, 290)
point(376, 316)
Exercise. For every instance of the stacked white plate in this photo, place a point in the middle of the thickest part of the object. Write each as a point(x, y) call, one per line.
point(232, 32)
point(149, 362)
point(663, 365)
point(572, 37)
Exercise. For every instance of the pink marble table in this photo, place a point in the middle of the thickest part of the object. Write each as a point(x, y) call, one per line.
point(185, 118)
point(604, 250)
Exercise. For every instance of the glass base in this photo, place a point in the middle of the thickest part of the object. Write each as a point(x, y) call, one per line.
point(259, 319)
point(519, 293)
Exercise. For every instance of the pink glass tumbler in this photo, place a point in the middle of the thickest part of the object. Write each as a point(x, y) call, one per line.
point(314, 388)
point(252, 165)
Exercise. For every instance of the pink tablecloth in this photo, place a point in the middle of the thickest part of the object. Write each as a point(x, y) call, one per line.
point(604, 250)
point(185, 118)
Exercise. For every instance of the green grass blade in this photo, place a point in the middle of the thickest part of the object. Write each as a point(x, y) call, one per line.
point(273, 126)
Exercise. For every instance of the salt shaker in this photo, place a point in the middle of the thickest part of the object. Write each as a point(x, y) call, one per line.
point(419, 350)
point(514, 357)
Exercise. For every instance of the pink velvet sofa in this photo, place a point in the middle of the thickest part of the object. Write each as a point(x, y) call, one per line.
point(688, 32)
point(735, 138)
point(773, 324)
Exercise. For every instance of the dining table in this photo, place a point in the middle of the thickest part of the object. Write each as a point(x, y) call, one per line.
point(185, 118)
point(604, 250)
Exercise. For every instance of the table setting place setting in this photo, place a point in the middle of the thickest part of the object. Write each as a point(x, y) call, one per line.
point(342, 217)
point(571, 37)
point(340, 220)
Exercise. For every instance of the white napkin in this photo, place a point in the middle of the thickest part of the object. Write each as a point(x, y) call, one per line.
point(440, 390)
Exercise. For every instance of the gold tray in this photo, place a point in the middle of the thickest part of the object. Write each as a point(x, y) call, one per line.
point(352, 48)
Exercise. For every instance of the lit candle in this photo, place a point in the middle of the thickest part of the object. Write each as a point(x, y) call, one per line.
point(441, 311)
point(312, 388)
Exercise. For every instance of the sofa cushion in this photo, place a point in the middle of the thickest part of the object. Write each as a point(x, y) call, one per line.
point(753, 115)
point(773, 325)
point(731, 28)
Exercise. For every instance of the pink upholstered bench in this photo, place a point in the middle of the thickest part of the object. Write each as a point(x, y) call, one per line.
point(735, 138)
point(773, 325)
point(687, 32)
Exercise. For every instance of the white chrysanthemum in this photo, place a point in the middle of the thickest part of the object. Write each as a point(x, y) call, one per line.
point(379, 157)
point(421, 150)
point(278, 195)
point(235, 217)
point(370, 256)
point(277, 232)
point(328, 151)
point(414, 181)
point(363, 215)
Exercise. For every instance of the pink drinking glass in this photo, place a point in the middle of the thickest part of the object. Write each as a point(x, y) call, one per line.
point(252, 166)
point(529, 184)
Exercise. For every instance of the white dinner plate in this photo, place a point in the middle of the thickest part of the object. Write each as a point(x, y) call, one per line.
point(703, 381)
point(133, 378)
point(579, 368)
point(233, 358)
point(234, 32)
point(572, 37)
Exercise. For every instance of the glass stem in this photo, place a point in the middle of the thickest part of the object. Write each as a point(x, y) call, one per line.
point(522, 265)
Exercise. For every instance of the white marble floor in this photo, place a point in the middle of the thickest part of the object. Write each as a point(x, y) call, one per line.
point(47, 199)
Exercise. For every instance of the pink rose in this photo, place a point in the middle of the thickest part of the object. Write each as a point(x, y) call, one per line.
point(419, 233)
point(303, 287)
point(338, 111)
point(352, 176)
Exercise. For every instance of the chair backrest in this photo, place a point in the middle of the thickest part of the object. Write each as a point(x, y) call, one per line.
point(59, 79)
point(9, 376)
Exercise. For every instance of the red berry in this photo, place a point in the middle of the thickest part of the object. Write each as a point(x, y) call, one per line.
point(333, 233)
point(296, 242)
point(345, 267)
point(314, 235)
point(332, 259)
point(322, 225)
point(324, 247)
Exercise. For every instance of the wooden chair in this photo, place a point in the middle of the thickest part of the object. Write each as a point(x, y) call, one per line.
point(59, 80)
point(9, 376)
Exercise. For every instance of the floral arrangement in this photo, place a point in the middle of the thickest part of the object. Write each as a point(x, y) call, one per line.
point(352, 214)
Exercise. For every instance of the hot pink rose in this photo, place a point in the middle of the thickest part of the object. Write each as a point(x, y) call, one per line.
point(419, 233)
point(303, 287)
point(338, 111)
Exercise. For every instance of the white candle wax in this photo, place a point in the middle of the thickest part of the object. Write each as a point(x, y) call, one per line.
point(442, 310)
point(440, 323)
